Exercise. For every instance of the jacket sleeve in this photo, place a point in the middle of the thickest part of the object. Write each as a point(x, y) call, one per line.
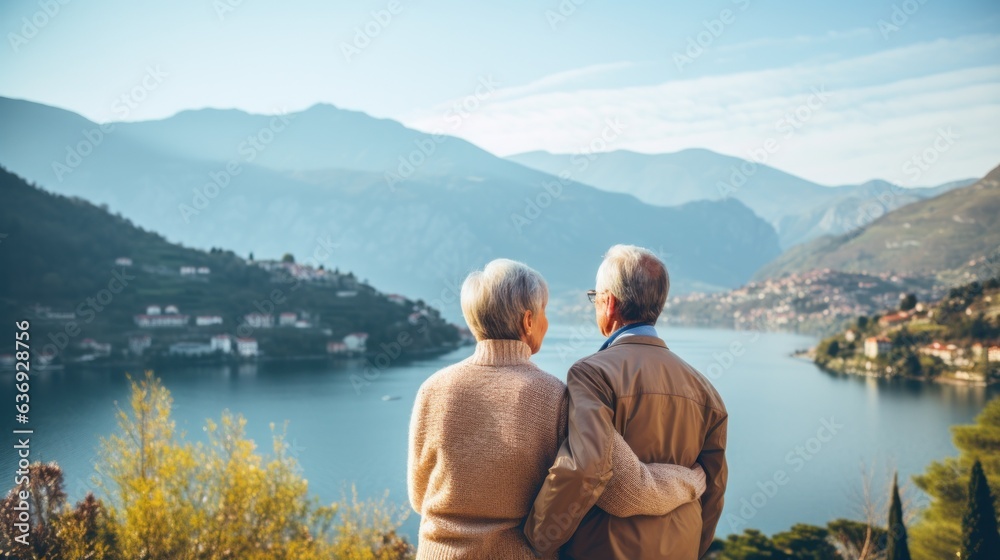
point(640, 489)
point(582, 468)
point(416, 477)
point(713, 460)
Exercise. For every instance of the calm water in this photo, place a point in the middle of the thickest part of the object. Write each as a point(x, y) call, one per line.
point(778, 408)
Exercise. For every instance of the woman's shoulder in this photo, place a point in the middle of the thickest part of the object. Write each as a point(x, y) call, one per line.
point(444, 376)
point(539, 379)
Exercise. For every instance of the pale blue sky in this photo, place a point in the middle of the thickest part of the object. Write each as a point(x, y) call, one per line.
point(890, 90)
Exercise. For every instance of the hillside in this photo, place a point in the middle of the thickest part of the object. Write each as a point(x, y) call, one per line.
point(322, 174)
point(930, 237)
point(62, 272)
point(798, 209)
point(956, 339)
point(816, 302)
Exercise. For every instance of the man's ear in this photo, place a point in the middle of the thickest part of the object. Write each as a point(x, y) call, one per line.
point(612, 307)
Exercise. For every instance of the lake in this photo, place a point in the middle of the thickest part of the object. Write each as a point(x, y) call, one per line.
point(799, 438)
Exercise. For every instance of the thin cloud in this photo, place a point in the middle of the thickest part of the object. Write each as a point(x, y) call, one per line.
point(881, 109)
point(797, 40)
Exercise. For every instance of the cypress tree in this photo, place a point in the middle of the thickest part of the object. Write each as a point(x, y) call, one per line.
point(980, 539)
point(896, 548)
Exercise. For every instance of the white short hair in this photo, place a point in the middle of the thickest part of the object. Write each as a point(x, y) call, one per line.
point(494, 299)
point(638, 279)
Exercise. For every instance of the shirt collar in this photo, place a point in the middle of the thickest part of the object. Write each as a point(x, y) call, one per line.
point(633, 329)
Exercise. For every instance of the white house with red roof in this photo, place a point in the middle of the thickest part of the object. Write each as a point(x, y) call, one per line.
point(259, 320)
point(222, 343)
point(356, 342)
point(993, 354)
point(877, 345)
point(207, 320)
point(247, 347)
point(160, 321)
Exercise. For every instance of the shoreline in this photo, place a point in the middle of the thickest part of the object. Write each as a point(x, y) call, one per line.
point(809, 355)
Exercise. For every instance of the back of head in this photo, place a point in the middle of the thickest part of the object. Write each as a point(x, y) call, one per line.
point(639, 281)
point(494, 299)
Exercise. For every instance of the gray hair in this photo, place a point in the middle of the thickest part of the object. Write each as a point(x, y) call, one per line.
point(639, 281)
point(494, 299)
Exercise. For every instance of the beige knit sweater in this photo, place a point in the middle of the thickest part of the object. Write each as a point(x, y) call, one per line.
point(483, 435)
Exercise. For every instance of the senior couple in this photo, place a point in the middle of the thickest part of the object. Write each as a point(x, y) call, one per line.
point(626, 460)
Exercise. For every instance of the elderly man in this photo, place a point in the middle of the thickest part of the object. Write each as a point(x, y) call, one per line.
point(666, 411)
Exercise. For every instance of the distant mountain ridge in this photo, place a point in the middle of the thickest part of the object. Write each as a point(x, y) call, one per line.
point(70, 256)
point(930, 236)
point(799, 210)
point(299, 182)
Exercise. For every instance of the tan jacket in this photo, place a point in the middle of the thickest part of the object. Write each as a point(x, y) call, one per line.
point(668, 413)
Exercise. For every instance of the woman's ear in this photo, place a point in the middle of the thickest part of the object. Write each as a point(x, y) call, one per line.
point(527, 321)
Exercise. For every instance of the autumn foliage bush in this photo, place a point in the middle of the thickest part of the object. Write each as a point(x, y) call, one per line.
point(163, 497)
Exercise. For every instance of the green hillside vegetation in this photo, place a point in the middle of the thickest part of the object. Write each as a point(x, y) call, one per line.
point(59, 253)
point(930, 236)
point(951, 340)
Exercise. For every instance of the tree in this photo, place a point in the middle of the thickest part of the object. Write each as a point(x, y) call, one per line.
point(938, 534)
point(897, 548)
point(87, 531)
point(751, 545)
point(287, 258)
point(222, 498)
point(856, 539)
point(907, 302)
point(806, 542)
point(910, 365)
point(833, 349)
point(46, 497)
point(862, 323)
point(980, 539)
point(170, 499)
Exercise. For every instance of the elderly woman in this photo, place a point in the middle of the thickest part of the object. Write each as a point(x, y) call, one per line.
point(485, 431)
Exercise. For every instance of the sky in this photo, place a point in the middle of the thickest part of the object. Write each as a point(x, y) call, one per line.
point(840, 92)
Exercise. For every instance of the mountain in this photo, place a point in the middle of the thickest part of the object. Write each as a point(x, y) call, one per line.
point(931, 236)
point(410, 211)
point(798, 209)
point(62, 254)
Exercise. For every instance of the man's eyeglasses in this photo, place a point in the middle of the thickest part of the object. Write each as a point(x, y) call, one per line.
point(592, 296)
